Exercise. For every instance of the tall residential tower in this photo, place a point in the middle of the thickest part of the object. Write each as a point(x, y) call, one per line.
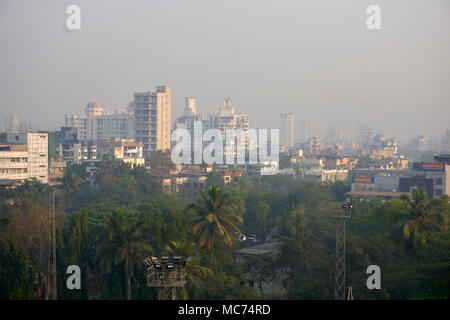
point(306, 131)
point(287, 129)
point(152, 113)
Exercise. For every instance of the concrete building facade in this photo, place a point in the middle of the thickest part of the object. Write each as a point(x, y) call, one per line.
point(129, 152)
point(226, 119)
point(24, 156)
point(287, 129)
point(99, 123)
point(152, 114)
point(432, 176)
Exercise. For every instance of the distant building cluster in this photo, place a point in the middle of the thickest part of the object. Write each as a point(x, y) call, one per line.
point(99, 123)
point(432, 176)
point(227, 118)
point(373, 164)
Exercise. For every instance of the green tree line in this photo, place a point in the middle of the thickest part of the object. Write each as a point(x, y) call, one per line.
point(108, 230)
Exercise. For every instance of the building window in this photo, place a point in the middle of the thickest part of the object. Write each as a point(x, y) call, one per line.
point(438, 193)
point(439, 181)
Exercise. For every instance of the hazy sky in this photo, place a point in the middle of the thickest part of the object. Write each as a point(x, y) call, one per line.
point(316, 58)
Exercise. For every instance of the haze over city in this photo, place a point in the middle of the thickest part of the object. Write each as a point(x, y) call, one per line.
point(316, 58)
point(239, 153)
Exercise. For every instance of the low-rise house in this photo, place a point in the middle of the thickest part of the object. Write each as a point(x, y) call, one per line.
point(264, 275)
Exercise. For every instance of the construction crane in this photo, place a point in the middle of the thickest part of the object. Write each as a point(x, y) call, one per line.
point(166, 274)
point(341, 215)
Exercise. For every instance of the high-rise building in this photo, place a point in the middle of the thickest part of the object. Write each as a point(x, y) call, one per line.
point(190, 107)
point(334, 134)
point(24, 156)
point(227, 118)
point(427, 144)
point(306, 131)
point(447, 141)
point(13, 124)
point(99, 123)
point(152, 113)
point(287, 129)
point(186, 121)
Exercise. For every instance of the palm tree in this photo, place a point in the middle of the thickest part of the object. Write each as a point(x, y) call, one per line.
point(419, 218)
point(125, 246)
point(299, 241)
point(196, 274)
point(215, 217)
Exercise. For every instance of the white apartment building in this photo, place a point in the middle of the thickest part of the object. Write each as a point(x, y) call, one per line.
point(99, 123)
point(24, 156)
point(130, 152)
point(227, 118)
point(187, 120)
point(152, 114)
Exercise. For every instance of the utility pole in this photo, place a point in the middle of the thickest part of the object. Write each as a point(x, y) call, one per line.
point(341, 215)
point(51, 272)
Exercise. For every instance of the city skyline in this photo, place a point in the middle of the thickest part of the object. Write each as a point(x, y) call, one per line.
point(394, 79)
point(303, 132)
point(230, 151)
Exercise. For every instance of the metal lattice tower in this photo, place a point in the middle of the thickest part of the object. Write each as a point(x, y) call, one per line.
point(341, 215)
point(166, 275)
point(167, 293)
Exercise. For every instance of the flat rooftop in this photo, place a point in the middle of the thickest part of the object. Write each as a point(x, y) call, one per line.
point(264, 248)
point(381, 194)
